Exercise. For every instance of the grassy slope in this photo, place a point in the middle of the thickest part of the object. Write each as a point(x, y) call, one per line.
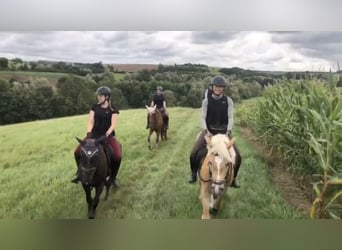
point(36, 165)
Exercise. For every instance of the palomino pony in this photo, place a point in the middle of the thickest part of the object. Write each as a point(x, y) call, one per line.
point(216, 173)
point(156, 124)
point(94, 171)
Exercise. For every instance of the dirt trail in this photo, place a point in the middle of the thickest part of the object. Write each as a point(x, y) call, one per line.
point(290, 186)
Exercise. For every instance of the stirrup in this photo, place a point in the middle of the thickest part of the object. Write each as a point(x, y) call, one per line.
point(115, 183)
point(235, 184)
point(193, 178)
point(75, 180)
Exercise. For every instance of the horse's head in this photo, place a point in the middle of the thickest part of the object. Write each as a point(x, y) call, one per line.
point(91, 152)
point(154, 117)
point(221, 161)
point(151, 110)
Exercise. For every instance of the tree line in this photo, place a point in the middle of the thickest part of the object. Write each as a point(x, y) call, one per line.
point(73, 94)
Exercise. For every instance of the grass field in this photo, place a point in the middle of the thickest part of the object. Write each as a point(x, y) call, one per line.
point(36, 166)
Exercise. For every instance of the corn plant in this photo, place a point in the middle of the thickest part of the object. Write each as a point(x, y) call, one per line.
point(303, 121)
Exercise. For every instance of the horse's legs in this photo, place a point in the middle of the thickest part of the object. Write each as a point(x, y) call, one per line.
point(107, 185)
point(108, 182)
point(205, 195)
point(165, 134)
point(217, 202)
point(88, 197)
point(149, 138)
point(157, 139)
point(96, 200)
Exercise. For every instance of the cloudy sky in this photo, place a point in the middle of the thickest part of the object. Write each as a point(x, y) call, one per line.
point(286, 51)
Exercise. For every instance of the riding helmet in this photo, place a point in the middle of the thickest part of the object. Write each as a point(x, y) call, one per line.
point(218, 81)
point(160, 88)
point(103, 90)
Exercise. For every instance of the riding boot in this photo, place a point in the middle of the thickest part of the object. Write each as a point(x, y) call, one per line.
point(236, 183)
point(167, 122)
point(114, 170)
point(77, 178)
point(147, 127)
point(193, 177)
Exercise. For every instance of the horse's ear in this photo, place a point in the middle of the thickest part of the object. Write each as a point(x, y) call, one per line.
point(147, 107)
point(207, 138)
point(100, 140)
point(154, 107)
point(230, 143)
point(80, 141)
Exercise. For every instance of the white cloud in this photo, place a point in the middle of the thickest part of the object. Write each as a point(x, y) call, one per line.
point(249, 50)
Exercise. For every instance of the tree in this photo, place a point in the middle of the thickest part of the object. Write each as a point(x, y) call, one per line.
point(3, 63)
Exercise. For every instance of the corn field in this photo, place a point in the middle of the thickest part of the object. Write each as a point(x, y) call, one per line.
point(302, 121)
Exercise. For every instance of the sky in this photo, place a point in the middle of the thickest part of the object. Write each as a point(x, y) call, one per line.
point(254, 50)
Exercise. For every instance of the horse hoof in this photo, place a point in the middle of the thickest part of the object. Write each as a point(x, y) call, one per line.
point(91, 217)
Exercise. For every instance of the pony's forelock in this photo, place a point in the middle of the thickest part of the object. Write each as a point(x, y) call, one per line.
point(218, 145)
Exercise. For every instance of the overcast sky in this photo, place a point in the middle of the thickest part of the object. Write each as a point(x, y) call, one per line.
point(286, 51)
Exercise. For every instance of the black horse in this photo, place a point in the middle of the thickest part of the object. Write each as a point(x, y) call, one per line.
point(95, 171)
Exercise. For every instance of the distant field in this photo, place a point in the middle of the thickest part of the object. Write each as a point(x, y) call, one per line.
point(36, 166)
point(23, 76)
point(134, 67)
point(119, 76)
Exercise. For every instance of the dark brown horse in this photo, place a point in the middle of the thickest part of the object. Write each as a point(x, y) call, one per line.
point(156, 124)
point(94, 171)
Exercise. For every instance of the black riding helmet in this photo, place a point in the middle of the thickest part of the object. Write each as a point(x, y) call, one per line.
point(218, 81)
point(103, 90)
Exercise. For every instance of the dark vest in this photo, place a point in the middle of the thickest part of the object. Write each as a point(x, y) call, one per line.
point(159, 101)
point(217, 115)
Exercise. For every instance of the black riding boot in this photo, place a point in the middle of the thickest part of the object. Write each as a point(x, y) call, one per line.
point(77, 178)
point(115, 170)
point(147, 127)
point(235, 183)
point(166, 120)
point(193, 177)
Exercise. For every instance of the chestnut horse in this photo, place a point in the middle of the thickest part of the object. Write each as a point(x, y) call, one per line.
point(216, 172)
point(94, 171)
point(155, 124)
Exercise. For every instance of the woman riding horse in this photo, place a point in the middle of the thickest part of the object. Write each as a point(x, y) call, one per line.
point(102, 121)
point(159, 100)
point(217, 118)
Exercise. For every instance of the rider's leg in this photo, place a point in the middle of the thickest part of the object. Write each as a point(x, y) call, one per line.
point(77, 159)
point(116, 161)
point(194, 159)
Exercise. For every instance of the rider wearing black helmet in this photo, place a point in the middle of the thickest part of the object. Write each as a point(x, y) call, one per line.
point(160, 102)
point(102, 121)
point(217, 118)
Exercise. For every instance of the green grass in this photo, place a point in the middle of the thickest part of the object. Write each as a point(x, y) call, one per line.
point(119, 76)
point(37, 165)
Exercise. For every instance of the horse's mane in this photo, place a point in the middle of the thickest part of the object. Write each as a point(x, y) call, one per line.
point(218, 145)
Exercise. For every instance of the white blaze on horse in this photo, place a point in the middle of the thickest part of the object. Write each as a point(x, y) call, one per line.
point(216, 173)
point(155, 124)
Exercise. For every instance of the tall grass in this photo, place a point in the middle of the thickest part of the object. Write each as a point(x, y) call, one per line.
point(303, 122)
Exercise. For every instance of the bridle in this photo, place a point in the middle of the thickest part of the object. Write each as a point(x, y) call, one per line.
point(89, 154)
point(210, 179)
